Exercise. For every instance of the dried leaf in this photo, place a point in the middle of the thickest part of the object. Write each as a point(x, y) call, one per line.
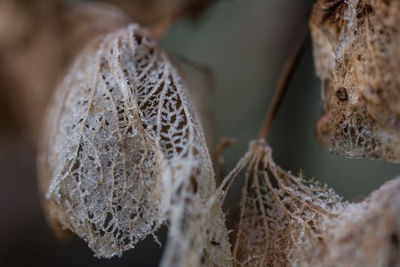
point(356, 48)
point(122, 153)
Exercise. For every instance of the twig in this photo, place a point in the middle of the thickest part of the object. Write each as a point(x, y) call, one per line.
point(284, 80)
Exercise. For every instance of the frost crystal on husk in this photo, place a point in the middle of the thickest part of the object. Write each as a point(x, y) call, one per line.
point(122, 153)
point(283, 217)
point(290, 221)
point(356, 48)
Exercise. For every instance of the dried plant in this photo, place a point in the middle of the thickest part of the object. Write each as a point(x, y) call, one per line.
point(122, 149)
point(39, 40)
point(365, 233)
point(288, 221)
point(356, 48)
point(282, 217)
point(122, 153)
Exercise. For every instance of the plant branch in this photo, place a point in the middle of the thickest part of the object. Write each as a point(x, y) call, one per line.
point(283, 84)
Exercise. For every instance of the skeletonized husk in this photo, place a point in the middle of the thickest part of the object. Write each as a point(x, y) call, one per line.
point(282, 216)
point(365, 233)
point(122, 152)
point(288, 221)
point(356, 49)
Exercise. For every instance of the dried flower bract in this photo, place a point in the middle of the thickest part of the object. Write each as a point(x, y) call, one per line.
point(356, 48)
point(282, 216)
point(288, 221)
point(122, 152)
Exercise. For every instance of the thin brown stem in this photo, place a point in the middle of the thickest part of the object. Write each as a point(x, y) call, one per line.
point(283, 84)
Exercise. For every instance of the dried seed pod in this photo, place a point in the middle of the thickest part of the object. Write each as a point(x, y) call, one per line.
point(282, 216)
point(122, 152)
point(356, 47)
point(289, 221)
point(364, 234)
point(199, 81)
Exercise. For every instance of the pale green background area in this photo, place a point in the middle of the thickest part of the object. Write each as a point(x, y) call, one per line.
point(245, 44)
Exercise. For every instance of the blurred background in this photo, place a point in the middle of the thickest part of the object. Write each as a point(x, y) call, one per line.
point(244, 44)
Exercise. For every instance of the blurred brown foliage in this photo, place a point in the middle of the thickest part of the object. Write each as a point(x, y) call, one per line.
point(36, 55)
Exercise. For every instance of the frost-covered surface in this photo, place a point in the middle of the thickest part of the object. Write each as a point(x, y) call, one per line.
point(356, 48)
point(122, 153)
point(365, 233)
point(282, 216)
point(288, 221)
